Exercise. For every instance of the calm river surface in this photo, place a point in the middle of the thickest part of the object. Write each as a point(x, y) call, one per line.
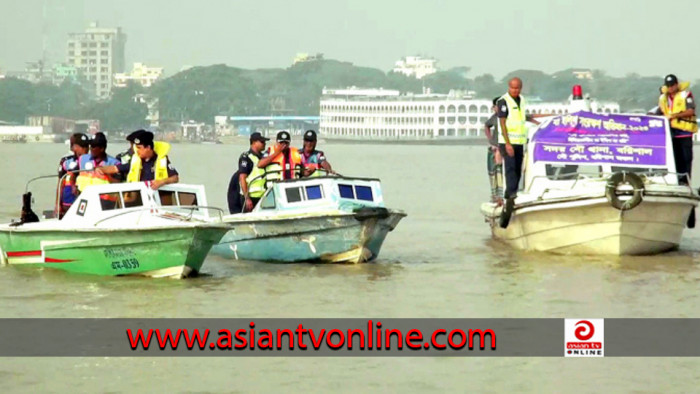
point(439, 262)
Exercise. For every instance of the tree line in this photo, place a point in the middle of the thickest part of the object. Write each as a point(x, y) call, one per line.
point(200, 93)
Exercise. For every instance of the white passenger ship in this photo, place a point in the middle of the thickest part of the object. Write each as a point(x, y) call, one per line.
point(356, 114)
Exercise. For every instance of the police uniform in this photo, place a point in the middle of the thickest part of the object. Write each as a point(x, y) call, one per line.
point(141, 170)
point(66, 166)
point(89, 162)
point(682, 129)
point(512, 109)
point(148, 169)
point(314, 159)
point(125, 157)
point(234, 196)
point(286, 165)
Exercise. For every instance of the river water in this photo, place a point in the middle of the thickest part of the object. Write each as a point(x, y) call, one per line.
point(439, 262)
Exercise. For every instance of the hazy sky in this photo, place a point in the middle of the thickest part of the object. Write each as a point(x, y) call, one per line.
point(490, 36)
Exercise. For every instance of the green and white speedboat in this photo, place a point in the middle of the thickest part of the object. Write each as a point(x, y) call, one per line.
point(121, 229)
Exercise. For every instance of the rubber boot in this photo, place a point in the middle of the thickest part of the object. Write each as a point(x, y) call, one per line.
point(507, 212)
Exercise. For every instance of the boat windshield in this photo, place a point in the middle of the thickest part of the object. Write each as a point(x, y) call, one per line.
point(571, 171)
point(117, 200)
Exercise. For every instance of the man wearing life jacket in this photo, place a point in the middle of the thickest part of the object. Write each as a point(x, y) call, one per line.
point(150, 163)
point(312, 159)
point(97, 157)
point(281, 161)
point(79, 145)
point(247, 185)
point(513, 136)
point(676, 103)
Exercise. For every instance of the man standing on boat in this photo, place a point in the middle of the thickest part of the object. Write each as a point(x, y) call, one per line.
point(281, 161)
point(79, 145)
point(513, 136)
point(247, 185)
point(150, 163)
point(677, 104)
point(312, 159)
point(494, 160)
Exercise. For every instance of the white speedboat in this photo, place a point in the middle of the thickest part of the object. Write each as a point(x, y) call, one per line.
point(597, 184)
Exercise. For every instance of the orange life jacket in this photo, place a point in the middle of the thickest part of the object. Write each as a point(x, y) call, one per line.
point(279, 166)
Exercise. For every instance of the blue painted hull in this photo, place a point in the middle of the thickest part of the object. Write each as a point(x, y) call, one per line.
point(337, 238)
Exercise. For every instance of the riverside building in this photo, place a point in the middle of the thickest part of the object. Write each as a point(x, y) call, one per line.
point(379, 114)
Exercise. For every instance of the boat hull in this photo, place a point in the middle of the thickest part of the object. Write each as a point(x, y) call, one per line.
point(339, 238)
point(162, 252)
point(594, 227)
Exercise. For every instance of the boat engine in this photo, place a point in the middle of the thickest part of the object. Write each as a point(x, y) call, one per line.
point(27, 215)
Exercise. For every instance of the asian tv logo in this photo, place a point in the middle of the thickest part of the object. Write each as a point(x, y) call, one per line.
point(584, 337)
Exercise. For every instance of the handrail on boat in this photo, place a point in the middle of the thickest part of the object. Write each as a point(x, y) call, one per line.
point(142, 209)
point(57, 203)
point(605, 175)
point(323, 170)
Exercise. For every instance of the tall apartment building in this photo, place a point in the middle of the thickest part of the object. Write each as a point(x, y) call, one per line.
point(98, 53)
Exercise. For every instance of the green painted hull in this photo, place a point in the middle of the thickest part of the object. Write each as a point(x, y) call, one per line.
point(159, 252)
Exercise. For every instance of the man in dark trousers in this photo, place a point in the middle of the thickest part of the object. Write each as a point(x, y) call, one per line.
point(511, 141)
point(677, 104)
point(513, 136)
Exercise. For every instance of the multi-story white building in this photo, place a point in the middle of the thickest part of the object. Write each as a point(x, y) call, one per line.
point(366, 114)
point(416, 66)
point(98, 53)
point(141, 74)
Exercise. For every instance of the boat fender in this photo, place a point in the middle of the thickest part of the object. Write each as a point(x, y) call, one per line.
point(620, 178)
point(506, 213)
point(371, 213)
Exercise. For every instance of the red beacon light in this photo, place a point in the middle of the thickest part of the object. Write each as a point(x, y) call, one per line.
point(577, 92)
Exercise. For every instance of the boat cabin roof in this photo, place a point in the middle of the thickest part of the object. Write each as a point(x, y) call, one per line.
point(101, 202)
point(327, 192)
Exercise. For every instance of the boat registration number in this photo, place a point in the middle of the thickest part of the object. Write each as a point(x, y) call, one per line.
point(125, 264)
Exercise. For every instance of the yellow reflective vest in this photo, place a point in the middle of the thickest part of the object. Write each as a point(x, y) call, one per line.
point(688, 124)
point(256, 179)
point(161, 149)
point(515, 122)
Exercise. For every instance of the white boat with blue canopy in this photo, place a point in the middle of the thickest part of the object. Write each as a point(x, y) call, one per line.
point(597, 184)
point(330, 219)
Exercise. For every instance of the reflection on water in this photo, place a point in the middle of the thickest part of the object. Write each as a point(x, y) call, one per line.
point(439, 262)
